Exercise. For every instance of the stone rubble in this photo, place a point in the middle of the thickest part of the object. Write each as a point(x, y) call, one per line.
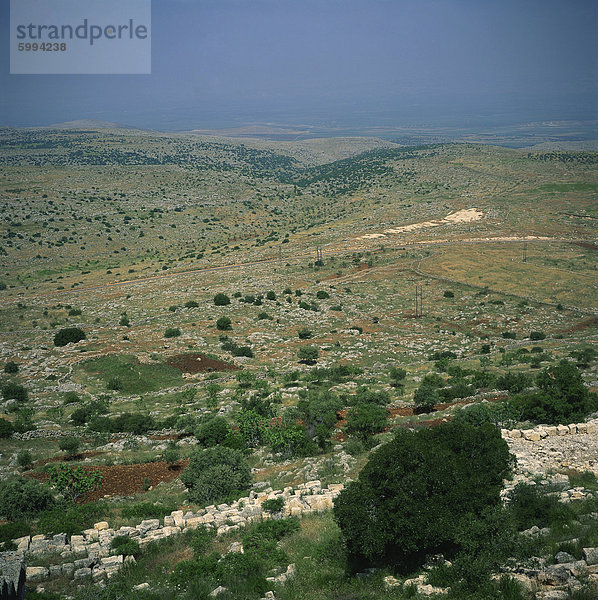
point(88, 556)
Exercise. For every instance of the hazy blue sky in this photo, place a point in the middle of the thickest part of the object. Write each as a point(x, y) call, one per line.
point(349, 62)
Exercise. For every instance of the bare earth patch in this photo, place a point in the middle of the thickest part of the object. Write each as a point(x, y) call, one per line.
point(198, 363)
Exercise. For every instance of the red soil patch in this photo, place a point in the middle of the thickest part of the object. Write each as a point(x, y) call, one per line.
point(198, 363)
point(587, 245)
point(592, 322)
point(126, 480)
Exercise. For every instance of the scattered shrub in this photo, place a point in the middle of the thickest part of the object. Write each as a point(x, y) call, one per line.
point(123, 544)
point(23, 498)
point(304, 333)
point(212, 432)
point(448, 294)
point(24, 459)
point(270, 295)
point(191, 304)
point(322, 295)
point(273, 505)
point(73, 482)
point(172, 332)
point(537, 335)
point(224, 324)
point(69, 445)
point(365, 420)
point(11, 367)
point(214, 473)
point(14, 391)
point(308, 354)
point(124, 321)
point(221, 299)
point(69, 334)
point(6, 428)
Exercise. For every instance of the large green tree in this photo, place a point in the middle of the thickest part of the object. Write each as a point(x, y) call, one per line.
point(417, 492)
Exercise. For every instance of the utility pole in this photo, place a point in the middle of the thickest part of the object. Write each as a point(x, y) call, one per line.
point(419, 301)
point(525, 252)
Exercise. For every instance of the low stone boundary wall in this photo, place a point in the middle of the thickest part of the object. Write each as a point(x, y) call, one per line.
point(89, 555)
point(543, 431)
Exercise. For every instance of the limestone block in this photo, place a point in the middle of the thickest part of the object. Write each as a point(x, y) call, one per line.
point(562, 429)
point(591, 556)
point(582, 428)
point(532, 435)
point(100, 526)
point(82, 573)
point(515, 433)
point(168, 521)
point(91, 534)
point(178, 518)
point(319, 503)
point(22, 543)
point(68, 569)
point(36, 574)
point(551, 431)
point(573, 429)
point(55, 571)
point(591, 427)
point(111, 561)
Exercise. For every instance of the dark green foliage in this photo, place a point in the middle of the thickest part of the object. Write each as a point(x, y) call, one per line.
point(513, 382)
point(318, 412)
point(425, 397)
point(499, 414)
point(115, 384)
point(381, 514)
point(23, 498)
point(322, 295)
point(127, 422)
point(213, 432)
point(214, 473)
point(11, 367)
point(67, 335)
point(191, 304)
point(201, 538)
point(123, 544)
point(124, 321)
point(24, 459)
point(537, 335)
point(14, 391)
point(146, 510)
point(224, 324)
point(288, 439)
point(264, 316)
point(70, 519)
point(6, 428)
point(308, 354)
point(397, 376)
point(509, 335)
point(531, 506)
point(273, 505)
point(171, 332)
point(365, 420)
point(221, 299)
point(562, 397)
point(73, 482)
point(71, 398)
point(74, 312)
point(69, 445)
point(304, 333)
point(366, 396)
point(172, 454)
point(584, 357)
point(14, 530)
point(448, 294)
point(270, 295)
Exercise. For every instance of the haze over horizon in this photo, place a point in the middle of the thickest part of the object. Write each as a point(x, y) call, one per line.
point(332, 64)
